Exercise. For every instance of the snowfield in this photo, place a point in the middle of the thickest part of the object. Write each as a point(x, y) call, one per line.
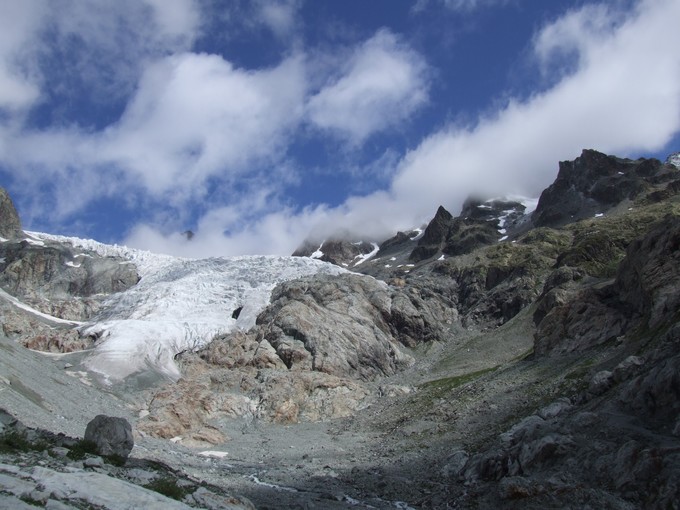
point(179, 304)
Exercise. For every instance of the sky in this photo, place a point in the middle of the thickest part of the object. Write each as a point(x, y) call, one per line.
point(258, 124)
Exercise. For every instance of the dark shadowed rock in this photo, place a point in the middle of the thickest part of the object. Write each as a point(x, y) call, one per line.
point(10, 224)
point(595, 182)
point(336, 251)
point(644, 293)
point(112, 435)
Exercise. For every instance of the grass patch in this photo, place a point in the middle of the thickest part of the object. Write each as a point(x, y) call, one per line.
point(449, 383)
point(81, 449)
point(15, 441)
point(168, 487)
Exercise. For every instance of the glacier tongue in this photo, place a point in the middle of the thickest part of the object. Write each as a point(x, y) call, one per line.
point(180, 304)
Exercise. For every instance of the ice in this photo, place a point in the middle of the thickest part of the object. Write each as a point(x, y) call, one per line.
point(180, 304)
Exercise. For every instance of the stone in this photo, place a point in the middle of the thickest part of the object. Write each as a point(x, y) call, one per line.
point(111, 435)
point(523, 430)
point(555, 409)
point(211, 501)
point(600, 382)
point(94, 462)
point(548, 447)
point(10, 224)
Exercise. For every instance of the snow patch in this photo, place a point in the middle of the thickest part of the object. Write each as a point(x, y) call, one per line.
point(599, 215)
point(367, 256)
point(213, 453)
point(318, 253)
point(33, 311)
point(502, 238)
point(257, 481)
point(441, 258)
point(34, 242)
point(419, 233)
point(674, 159)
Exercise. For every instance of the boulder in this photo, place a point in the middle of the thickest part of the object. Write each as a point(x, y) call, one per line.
point(112, 435)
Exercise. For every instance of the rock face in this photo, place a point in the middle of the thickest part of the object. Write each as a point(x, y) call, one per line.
point(10, 224)
point(60, 281)
point(112, 435)
point(595, 182)
point(337, 251)
point(309, 357)
point(480, 223)
point(643, 294)
point(345, 326)
point(56, 272)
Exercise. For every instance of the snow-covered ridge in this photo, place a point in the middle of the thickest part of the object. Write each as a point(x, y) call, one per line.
point(180, 304)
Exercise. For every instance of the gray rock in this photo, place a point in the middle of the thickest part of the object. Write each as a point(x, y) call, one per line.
point(112, 435)
point(593, 183)
point(544, 449)
point(600, 382)
point(94, 462)
point(555, 409)
point(59, 451)
point(10, 224)
point(211, 501)
point(346, 325)
point(455, 465)
point(523, 430)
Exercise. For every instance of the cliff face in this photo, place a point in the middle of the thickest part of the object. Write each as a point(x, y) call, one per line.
point(10, 224)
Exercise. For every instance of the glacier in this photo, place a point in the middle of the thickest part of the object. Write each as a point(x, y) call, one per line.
point(179, 304)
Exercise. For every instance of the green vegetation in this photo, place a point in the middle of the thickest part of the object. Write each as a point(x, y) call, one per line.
point(81, 449)
point(445, 385)
point(600, 244)
point(15, 441)
point(169, 487)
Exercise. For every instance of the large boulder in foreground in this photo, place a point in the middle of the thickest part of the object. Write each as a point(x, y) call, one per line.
point(112, 435)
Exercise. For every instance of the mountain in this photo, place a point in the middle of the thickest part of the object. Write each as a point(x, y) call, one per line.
point(519, 354)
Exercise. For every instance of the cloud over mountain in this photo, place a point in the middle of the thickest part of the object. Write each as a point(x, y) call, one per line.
point(148, 114)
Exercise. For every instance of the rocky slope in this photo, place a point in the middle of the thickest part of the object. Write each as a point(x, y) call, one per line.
point(499, 358)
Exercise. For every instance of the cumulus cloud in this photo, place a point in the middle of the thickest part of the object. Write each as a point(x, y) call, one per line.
point(196, 130)
point(383, 84)
point(19, 84)
point(617, 99)
point(196, 116)
point(279, 15)
point(611, 96)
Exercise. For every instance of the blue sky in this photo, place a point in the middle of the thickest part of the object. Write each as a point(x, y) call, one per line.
point(257, 124)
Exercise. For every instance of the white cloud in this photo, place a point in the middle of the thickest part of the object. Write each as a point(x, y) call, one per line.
point(195, 125)
point(19, 85)
point(383, 84)
point(279, 15)
point(616, 99)
point(195, 116)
